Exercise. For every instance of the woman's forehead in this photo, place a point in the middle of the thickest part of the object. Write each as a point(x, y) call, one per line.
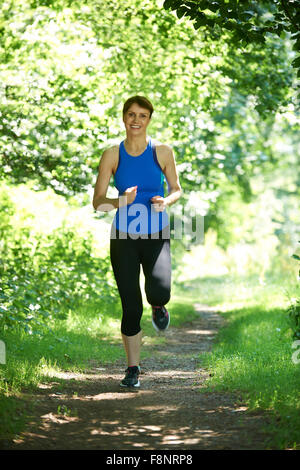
point(137, 108)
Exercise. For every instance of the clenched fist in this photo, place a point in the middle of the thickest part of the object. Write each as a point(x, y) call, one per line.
point(159, 203)
point(128, 196)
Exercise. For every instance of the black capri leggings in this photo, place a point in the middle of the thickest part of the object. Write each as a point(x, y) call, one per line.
point(127, 255)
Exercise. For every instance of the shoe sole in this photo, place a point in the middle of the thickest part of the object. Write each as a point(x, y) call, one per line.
point(158, 329)
point(130, 386)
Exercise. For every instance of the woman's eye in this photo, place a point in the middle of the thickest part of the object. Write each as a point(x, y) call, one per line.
point(143, 116)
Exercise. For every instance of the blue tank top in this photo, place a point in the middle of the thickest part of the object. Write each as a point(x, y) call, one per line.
point(144, 172)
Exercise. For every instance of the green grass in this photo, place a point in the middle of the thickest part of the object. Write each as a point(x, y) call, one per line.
point(252, 355)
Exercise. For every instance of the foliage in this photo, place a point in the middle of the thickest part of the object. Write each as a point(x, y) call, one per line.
point(78, 61)
point(44, 275)
point(294, 317)
point(249, 22)
point(297, 258)
point(293, 310)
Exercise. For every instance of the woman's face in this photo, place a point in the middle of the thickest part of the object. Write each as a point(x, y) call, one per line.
point(136, 120)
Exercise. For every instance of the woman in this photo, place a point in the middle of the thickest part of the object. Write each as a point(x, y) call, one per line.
point(140, 230)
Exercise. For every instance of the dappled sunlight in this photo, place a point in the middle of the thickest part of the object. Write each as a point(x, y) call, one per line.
point(57, 419)
point(137, 425)
point(201, 332)
point(171, 373)
point(120, 395)
point(178, 439)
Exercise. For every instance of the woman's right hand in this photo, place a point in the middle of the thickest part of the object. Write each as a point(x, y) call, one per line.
point(128, 196)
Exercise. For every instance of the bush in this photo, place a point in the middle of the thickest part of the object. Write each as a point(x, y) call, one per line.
point(294, 311)
point(43, 275)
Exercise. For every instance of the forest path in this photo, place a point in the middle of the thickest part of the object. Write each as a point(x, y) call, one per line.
point(92, 412)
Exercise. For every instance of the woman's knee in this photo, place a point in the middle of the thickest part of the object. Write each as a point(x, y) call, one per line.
point(158, 296)
point(130, 324)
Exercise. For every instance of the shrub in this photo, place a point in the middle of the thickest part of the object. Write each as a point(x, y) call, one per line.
point(43, 275)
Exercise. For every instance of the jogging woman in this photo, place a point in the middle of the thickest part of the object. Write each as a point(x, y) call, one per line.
point(140, 234)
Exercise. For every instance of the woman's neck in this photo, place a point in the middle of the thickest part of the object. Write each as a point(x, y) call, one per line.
point(136, 145)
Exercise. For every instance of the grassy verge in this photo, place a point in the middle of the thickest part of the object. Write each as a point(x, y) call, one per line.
point(253, 354)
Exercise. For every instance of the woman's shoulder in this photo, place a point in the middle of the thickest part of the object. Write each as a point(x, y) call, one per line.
point(110, 157)
point(164, 149)
point(111, 151)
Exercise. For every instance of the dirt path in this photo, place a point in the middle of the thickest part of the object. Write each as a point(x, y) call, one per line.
point(167, 412)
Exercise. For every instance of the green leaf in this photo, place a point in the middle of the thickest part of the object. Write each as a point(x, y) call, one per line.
point(296, 62)
point(173, 4)
point(181, 11)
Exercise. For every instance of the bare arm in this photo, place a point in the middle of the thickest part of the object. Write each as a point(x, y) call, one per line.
point(101, 202)
point(166, 155)
point(172, 178)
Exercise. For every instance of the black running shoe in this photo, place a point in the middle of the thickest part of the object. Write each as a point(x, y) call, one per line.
point(160, 318)
point(131, 378)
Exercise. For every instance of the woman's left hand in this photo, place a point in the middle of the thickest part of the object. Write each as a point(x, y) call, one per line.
point(159, 203)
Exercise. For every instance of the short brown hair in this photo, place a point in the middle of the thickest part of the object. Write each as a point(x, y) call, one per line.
point(141, 101)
